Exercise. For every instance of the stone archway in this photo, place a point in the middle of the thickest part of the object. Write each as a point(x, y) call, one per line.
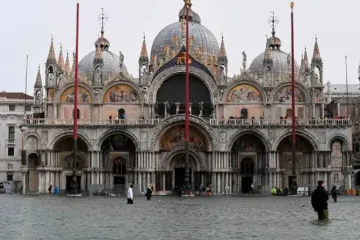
point(117, 159)
point(296, 172)
point(33, 177)
point(248, 158)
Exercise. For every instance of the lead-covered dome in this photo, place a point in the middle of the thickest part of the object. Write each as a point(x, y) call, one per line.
point(111, 61)
point(201, 37)
point(273, 56)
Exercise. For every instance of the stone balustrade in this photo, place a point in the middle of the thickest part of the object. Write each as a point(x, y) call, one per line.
point(211, 121)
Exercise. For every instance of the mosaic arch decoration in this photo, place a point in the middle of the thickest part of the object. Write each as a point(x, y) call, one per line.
point(83, 97)
point(175, 136)
point(121, 93)
point(283, 95)
point(244, 93)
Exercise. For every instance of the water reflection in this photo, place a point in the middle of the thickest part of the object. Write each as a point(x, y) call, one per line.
point(49, 217)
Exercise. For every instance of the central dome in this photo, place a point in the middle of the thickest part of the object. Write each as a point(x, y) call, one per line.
point(201, 37)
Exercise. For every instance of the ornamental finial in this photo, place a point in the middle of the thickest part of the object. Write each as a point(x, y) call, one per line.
point(188, 3)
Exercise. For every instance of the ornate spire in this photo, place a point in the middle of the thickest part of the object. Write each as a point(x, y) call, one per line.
point(306, 61)
point(61, 59)
point(316, 54)
point(67, 63)
point(74, 64)
point(222, 52)
point(51, 57)
point(144, 54)
point(302, 67)
point(98, 55)
point(38, 82)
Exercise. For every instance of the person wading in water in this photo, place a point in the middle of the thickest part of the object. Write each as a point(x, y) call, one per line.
point(319, 200)
point(334, 193)
point(130, 195)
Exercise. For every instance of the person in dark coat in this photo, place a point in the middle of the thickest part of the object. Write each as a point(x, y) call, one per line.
point(319, 200)
point(148, 194)
point(334, 193)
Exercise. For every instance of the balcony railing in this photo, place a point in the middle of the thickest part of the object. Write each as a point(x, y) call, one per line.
point(214, 122)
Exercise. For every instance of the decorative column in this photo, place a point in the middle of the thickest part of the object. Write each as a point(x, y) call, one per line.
point(24, 186)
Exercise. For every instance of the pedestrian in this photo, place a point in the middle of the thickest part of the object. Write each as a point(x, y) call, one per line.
point(50, 188)
point(334, 193)
point(319, 200)
point(148, 194)
point(130, 195)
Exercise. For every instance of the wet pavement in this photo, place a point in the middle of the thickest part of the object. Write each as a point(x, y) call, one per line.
point(222, 217)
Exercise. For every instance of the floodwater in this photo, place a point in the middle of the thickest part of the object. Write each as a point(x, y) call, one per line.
point(218, 217)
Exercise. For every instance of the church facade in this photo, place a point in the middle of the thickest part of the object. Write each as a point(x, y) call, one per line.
point(131, 130)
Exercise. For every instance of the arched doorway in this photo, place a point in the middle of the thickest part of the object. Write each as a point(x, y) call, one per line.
point(292, 174)
point(247, 170)
point(248, 159)
point(33, 178)
point(172, 94)
point(172, 147)
point(118, 161)
point(357, 179)
point(64, 150)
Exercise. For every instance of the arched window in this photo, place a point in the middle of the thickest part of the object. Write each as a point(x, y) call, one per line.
point(50, 69)
point(244, 113)
point(247, 166)
point(119, 166)
point(121, 113)
point(78, 114)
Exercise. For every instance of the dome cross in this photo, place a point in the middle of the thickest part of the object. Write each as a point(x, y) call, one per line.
point(102, 18)
point(273, 21)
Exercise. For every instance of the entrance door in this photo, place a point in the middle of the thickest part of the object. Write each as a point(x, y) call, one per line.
point(246, 184)
point(119, 184)
point(357, 179)
point(180, 176)
point(69, 180)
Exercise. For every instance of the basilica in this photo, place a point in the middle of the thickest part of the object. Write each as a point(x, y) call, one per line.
point(131, 130)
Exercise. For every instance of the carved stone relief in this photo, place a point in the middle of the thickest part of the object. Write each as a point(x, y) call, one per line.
point(222, 137)
point(175, 119)
point(322, 137)
point(31, 143)
point(44, 136)
point(143, 136)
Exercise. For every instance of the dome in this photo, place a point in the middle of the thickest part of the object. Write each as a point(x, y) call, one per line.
point(110, 60)
point(171, 36)
point(279, 59)
point(103, 43)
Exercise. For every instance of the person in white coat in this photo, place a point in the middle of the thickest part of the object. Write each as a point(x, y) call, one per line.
point(130, 195)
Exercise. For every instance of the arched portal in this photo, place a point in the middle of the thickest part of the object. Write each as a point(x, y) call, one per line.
point(293, 172)
point(171, 97)
point(118, 161)
point(248, 158)
point(357, 179)
point(64, 149)
point(33, 178)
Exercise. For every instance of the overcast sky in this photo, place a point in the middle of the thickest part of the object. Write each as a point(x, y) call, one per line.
point(28, 26)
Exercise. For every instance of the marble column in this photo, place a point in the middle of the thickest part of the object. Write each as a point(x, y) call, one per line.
point(24, 186)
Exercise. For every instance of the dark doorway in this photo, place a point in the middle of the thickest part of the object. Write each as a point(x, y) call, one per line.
point(180, 176)
point(69, 180)
point(119, 180)
point(244, 113)
point(246, 184)
point(357, 179)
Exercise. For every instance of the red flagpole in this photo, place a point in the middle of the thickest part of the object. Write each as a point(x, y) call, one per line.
point(293, 91)
point(74, 181)
point(187, 171)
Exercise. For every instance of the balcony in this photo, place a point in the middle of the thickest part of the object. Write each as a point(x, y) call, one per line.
point(245, 123)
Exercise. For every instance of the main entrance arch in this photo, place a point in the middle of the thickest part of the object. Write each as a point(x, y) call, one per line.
point(248, 154)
